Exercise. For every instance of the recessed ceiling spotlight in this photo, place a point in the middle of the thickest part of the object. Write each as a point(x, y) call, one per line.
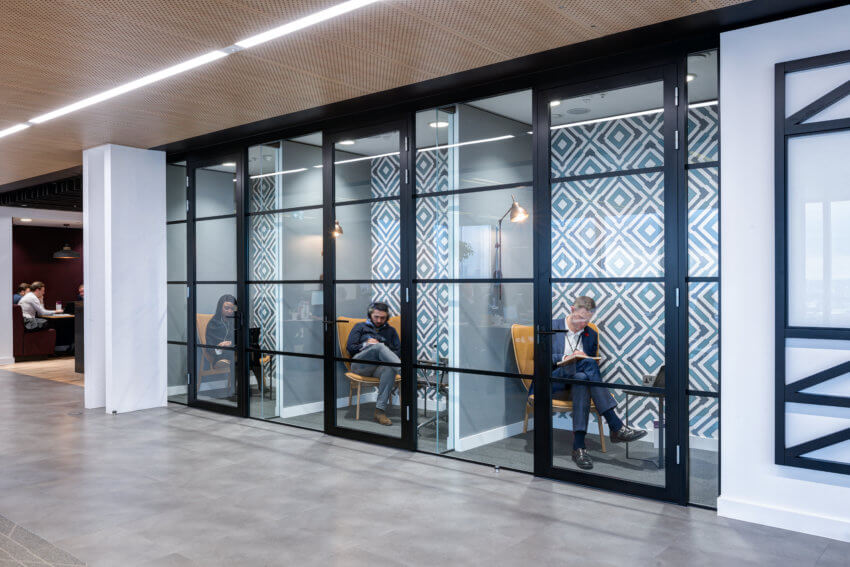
point(229, 164)
point(555, 103)
point(438, 124)
point(346, 143)
point(26, 220)
point(578, 110)
point(690, 77)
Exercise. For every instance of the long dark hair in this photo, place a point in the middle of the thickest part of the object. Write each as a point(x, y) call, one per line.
point(221, 301)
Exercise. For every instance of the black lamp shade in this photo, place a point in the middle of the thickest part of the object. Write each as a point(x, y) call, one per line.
point(66, 254)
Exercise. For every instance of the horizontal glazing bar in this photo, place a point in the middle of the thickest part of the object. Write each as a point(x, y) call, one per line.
point(621, 173)
point(610, 385)
point(367, 201)
point(480, 189)
point(287, 210)
point(217, 217)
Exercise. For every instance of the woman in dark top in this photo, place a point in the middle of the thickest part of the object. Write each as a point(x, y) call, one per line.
point(220, 333)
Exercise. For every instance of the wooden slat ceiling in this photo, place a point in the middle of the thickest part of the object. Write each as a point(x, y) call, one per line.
point(59, 51)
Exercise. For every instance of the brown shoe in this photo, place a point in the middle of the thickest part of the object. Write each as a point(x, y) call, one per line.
point(381, 417)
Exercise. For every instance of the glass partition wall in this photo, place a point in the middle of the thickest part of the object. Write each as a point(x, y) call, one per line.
point(474, 278)
point(284, 281)
point(476, 229)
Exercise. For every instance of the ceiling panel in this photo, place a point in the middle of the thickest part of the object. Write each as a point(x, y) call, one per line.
point(58, 52)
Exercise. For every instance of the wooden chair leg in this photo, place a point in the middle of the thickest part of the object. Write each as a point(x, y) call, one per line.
point(350, 391)
point(357, 412)
point(525, 421)
point(601, 432)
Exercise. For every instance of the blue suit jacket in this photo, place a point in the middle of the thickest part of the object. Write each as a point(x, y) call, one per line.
point(589, 341)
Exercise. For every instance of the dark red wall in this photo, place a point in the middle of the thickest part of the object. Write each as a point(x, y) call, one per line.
point(32, 260)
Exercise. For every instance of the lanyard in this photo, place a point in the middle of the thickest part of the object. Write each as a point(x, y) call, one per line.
point(573, 348)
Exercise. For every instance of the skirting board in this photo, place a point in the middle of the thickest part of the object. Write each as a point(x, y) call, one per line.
point(812, 524)
point(7, 360)
point(505, 431)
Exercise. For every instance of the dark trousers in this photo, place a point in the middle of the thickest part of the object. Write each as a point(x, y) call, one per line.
point(581, 395)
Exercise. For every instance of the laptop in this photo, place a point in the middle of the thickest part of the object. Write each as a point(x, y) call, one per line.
point(655, 380)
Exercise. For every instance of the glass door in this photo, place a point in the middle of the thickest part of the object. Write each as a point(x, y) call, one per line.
point(607, 324)
point(214, 258)
point(367, 312)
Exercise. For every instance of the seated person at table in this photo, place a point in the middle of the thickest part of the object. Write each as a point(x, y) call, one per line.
point(376, 340)
point(32, 308)
point(23, 289)
point(573, 346)
point(220, 333)
point(80, 292)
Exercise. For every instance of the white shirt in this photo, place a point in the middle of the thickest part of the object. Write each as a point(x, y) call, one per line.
point(572, 341)
point(32, 307)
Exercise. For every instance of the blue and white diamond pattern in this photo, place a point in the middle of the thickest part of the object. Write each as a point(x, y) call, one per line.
point(264, 240)
point(703, 225)
point(614, 145)
point(608, 227)
point(703, 141)
point(385, 178)
point(432, 171)
point(703, 336)
point(704, 421)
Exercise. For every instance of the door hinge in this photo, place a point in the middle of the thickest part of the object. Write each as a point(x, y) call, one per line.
point(407, 295)
point(677, 454)
point(187, 292)
point(407, 412)
point(187, 377)
point(676, 96)
point(676, 139)
point(405, 143)
point(187, 205)
point(187, 182)
point(406, 176)
point(677, 297)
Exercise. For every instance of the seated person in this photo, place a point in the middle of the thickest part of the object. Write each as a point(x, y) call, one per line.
point(581, 340)
point(376, 340)
point(220, 332)
point(33, 309)
point(23, 289)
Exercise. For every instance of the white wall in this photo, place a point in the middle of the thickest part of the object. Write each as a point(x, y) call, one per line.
point(6, 283)
point(752, 487)
point(124, 263)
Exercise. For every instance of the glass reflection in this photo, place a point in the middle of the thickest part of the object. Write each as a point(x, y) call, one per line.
point(287, 389)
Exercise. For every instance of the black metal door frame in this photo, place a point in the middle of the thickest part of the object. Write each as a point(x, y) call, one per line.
point(402, 124)
point(676, 413)
point(237, 155)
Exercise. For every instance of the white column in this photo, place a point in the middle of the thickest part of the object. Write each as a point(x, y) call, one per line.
point(6, 290)
point(124, 252)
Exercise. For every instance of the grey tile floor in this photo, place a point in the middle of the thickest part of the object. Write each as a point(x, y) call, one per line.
point(178, 486)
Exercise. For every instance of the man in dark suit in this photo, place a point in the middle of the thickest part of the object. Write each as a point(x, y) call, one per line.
point(573, 345)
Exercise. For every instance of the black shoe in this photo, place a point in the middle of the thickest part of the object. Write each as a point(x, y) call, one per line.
point(626, 435)
point(582, 459)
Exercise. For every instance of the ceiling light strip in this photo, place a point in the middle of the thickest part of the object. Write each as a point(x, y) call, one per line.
point(260, 176)
point(304, 22)
point(366, 157)
point(630, 115)
point(132, 85)
point(13, 129)
point(469, 143)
